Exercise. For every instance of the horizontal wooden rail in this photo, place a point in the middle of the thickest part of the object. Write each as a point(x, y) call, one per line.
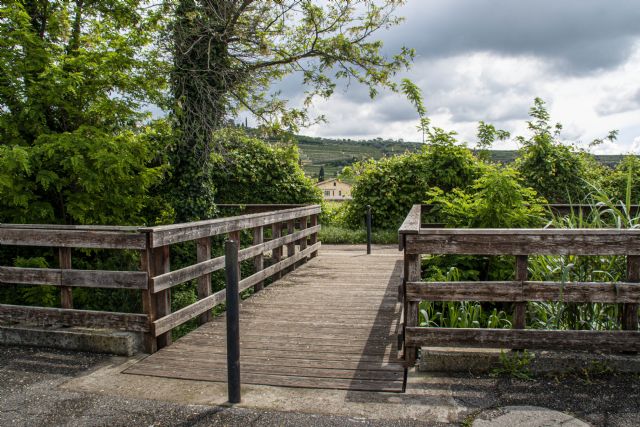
point(74, 278)
point(168, 280)
point(68, 317)
point(185, 314)
point(170, 234)
point(614, 341)
point(524, 241)
point(64, 238)
point(522, 291)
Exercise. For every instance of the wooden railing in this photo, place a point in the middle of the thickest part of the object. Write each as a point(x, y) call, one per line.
point(155, 278)
point(416, 240)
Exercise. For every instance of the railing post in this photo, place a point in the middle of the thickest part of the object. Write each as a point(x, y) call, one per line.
point(148, 300)
point(232, 271)
point(258, 260)
point(520, 308)
point(66, 295)
point(630, 311)
point(313, 239)
point(411, 274)
point(303, 241)
point(203, 253)
point(368, 229)
point(276, 254)
point(291, 247)
point(163, 298)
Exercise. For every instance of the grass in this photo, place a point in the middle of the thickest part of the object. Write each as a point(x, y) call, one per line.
point(340, 235)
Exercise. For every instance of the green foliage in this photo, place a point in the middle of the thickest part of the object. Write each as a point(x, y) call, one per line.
point(624, 182)
point(487, 135)
point(82, 177)
point(516, 364)
point(342, 235)
point(392, 185)
point(556, 171)
point(497, 199)
point(73, 82)
point(251, 171)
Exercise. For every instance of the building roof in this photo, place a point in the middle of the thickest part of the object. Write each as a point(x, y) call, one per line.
point(331, 180)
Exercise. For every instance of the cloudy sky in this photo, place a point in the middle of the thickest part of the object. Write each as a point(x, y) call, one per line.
point(488, 59)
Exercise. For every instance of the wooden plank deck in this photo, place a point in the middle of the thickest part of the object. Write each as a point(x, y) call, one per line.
point(331, 324)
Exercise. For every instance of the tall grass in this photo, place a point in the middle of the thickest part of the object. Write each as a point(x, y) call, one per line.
point(602, 212)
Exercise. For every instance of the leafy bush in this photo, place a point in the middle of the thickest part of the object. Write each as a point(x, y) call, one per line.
point(392, 185)
point(624, 181)
point(556, 171)
point(495, 200)
point(249, 170)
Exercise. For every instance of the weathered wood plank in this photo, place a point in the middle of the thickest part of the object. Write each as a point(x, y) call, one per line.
point(66, 293)
point(411, 224)
point(524, 242)
point(161, 265)
point(170, 234)
point(276, 268)
point(72, 238)
point(74, 278)
point(67, 317)
point(515, 291)
point(629, 319)
point(165, 324)
point(520, 308)
point(524, 338)
point(176, 277)
point(258, 259)
point(203, 253)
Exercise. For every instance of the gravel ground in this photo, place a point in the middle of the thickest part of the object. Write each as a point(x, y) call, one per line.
point(30, 396)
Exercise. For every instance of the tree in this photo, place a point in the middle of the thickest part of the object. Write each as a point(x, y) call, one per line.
point(75, 146)
point(228, 53)
point(321, 174)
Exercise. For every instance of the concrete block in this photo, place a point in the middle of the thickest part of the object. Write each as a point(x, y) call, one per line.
point(453, 359)
point(78, 339)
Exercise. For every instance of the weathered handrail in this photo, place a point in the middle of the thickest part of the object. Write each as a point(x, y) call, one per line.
point(416, 240)
point(156, 279)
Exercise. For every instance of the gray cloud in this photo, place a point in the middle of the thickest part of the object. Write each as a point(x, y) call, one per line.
point(578, 36)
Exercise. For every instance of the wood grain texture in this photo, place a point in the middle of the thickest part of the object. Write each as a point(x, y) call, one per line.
point(306, 333)
point(524, 241)
point(72, 238)
point(170, 234)
point(74, 278)
point(411, 224)
point(617, 341)
point(67, 317)
point(514, 291)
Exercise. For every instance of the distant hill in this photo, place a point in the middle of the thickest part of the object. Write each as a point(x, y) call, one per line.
point(334, 154)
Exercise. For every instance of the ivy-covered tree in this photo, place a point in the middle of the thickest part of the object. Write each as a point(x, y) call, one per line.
point(228, 54)
point(75, 143)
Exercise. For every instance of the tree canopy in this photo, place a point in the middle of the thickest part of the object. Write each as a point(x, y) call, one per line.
point(227, 55)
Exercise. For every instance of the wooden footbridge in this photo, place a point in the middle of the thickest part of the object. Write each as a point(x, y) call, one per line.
point(316, 317)
point(332, 323)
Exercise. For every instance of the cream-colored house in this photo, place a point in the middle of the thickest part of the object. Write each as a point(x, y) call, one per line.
point(334, 189)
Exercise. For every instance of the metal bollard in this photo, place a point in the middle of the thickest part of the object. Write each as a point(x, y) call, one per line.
point(231, 249)
point(368, 229)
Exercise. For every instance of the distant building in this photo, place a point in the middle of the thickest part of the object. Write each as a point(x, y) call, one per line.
point(334, 189)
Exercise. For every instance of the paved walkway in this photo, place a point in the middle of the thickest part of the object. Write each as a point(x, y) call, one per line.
point(331, 324)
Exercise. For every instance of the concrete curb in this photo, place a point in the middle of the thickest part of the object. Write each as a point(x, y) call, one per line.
point(536, 362)
point(78, 339)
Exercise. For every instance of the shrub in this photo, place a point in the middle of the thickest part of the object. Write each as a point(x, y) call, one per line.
point(556, 171)
point(248, 170)
point(497, 199)
point(392, 185)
